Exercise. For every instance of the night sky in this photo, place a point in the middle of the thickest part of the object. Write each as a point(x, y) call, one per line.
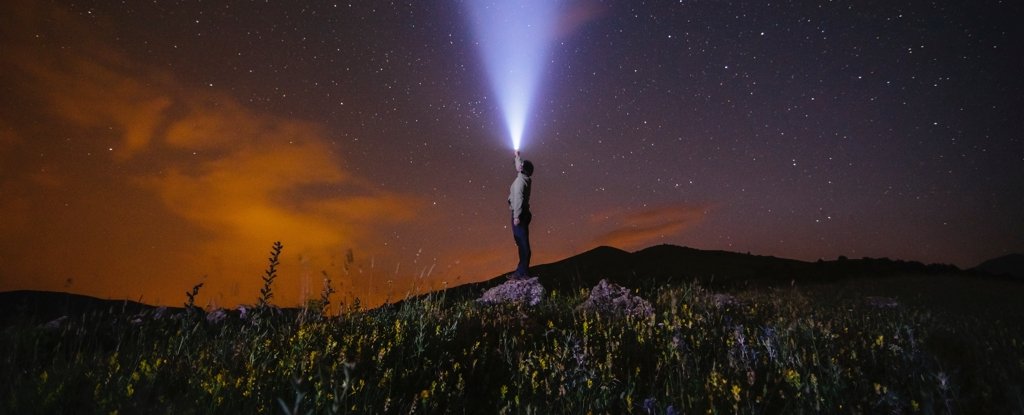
point(146, 147)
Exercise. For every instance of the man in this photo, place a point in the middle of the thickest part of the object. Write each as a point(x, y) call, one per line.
point(519, 204)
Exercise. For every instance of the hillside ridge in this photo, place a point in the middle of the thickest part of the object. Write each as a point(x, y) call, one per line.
point(650, 267)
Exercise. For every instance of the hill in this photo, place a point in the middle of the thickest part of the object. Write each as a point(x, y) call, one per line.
point(648, 268)
point(669, 264)
point(42, 306)
point(1009, 265)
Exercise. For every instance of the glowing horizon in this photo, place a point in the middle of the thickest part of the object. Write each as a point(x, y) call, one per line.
point(514, 37)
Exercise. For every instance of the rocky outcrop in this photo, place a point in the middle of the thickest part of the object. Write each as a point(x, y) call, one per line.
point(611, 299)
point(528, 291)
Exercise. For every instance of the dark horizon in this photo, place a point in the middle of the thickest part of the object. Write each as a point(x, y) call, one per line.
point(711, 268)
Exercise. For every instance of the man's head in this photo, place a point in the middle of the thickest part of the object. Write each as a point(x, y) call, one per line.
point(527, 168)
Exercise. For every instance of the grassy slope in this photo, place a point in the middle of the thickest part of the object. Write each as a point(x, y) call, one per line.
point(952, 344)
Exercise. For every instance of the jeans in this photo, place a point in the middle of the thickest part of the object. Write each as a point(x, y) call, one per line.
point(521, 233)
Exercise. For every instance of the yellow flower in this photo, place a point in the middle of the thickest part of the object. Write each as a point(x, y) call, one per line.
point(880, 389)
point(793, 378)
point(880, 341)
point(736, 392)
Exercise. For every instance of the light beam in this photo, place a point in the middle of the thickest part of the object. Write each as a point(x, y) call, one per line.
point(514, 36)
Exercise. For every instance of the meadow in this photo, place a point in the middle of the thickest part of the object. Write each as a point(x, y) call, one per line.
point(817, 349)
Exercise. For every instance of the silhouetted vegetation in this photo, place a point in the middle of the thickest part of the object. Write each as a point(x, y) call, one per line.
point(892, 345)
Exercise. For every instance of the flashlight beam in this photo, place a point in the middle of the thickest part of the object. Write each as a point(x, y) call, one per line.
point(514, 37)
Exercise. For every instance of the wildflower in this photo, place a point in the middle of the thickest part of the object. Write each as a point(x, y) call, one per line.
point(880, 389)
point(217, 316)
point(649, 405)
point(943, 380)
point(736, 392)
point(793, 378)
point(717, 381)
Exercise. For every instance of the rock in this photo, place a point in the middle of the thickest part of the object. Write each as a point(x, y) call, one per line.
point(55, 324)
point(612, 299)
point(528, 291)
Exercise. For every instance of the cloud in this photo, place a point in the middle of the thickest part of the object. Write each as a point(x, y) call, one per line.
point(142, 182)
point(577, 14)
point(636, 229)
point(267, 176)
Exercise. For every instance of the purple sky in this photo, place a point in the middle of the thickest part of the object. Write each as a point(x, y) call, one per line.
point(149, 146)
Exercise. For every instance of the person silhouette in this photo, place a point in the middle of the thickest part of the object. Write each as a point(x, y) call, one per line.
point(519, 204)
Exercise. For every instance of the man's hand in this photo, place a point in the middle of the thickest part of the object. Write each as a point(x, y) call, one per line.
point(515, 221)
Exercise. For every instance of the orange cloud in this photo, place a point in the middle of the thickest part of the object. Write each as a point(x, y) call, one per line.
point(646, 227)
point(8, 138)
point(178, 181)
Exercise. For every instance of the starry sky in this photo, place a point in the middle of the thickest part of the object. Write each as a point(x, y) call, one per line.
point(148, 146)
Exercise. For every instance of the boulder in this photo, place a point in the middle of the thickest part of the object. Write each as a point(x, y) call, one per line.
point(611, 299)
point(528, 291)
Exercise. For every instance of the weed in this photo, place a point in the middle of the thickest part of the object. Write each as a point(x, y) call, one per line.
point(767, 351)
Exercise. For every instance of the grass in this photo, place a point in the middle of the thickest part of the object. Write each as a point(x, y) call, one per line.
point(792, 350)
